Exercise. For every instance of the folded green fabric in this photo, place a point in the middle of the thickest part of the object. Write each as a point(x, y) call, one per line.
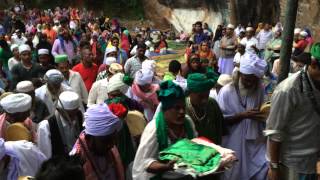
point(196, 156)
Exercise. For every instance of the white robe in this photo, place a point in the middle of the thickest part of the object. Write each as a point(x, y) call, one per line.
point(29, 157)
point(147, 152)
point(76, 83)
point(98, 93)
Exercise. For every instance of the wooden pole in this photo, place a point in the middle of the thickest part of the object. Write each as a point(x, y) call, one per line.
point(287, 38)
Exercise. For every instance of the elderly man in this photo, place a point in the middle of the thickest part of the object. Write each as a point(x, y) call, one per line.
point(87, 69)
point(96, 145)
point(17, 109)
point(134, 64)
point(50, 91)
point(26, 70)
point(250, 41)
point(57, 135)
point(293, 124)
point(39, 110)
point(204, 111)
point(71, 78)
point(228, 45)
point(144, 91)
point(19, 158)
point(240, 102)
point(97, 94)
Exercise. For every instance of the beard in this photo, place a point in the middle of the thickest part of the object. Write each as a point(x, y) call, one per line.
point(244, 91)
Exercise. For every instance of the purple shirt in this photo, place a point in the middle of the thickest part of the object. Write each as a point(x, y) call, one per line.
point(57, 49)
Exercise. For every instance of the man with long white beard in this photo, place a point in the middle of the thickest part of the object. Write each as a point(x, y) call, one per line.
point(240, 102)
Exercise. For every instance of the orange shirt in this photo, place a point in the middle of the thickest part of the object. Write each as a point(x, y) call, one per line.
point(51, 34)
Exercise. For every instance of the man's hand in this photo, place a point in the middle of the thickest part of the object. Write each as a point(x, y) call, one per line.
point(273, 174)
point(251, 114)
point(159, 167)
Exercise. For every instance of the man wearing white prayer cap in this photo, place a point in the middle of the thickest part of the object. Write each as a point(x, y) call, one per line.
point(57, 135)
point(103, 71)
point(45, 60)
point(96, 146)
point(240, 102)
point(110, 52)
point(143, 90)
point(26, 70)
point(98, 91)
point(250, 41)
point(22, 158)
point(15, 59)
point(50, 91)
point(39, 110)
point(17, 109)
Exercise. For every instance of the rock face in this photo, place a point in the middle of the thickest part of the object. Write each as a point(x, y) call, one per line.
point(183, 13)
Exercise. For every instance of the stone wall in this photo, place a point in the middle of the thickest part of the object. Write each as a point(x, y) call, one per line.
point(308, 15)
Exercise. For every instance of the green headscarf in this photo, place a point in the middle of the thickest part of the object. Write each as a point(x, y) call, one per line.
point(169, 94)
point(198, 82)
point(315, 51)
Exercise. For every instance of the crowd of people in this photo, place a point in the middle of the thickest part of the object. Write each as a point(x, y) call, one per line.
point(81, 98)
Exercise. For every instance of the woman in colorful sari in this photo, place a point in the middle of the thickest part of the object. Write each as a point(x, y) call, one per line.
point(206, 53)
point(168, 126)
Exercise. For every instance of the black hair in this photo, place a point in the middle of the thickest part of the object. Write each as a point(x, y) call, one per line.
point(84, 44)
point(198, 23)
point(142, 45)
point(138, 36)
point(174, 66)
point(62, 168)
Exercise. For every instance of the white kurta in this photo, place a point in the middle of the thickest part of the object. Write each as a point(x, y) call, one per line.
point(76, 83)
point(44, 94)
point(147, 152)
point(71, 133)
point(98, 93)
point(28, 155)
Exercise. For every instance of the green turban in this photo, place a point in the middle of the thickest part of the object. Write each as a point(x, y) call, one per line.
point(169, 94)
point(60, 58)
point(315, 51)
point(198, 82)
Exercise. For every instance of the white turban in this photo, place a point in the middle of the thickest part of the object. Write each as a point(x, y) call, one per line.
point(297, 31)
point(110, 60)
point(110, 49)
point(149, 65)
point(13, 46)
point(224, 79)
point(252, 64)
point(15, 103)
point(54, 76)
point(69, 100)
point(100, 121)
point(303, 34)
point(43, 51)
point(230, 26)
point(24, 87)
point(143, 77)
point(116, 83)
point(24, 47)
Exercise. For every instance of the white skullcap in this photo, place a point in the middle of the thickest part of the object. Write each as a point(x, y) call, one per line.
point(43, 51)
point(54, 76)
point(24, 47)
point(24, 87)
point(230, 26)
point(249, 29)
point(149, 65)
point(69, 100)
point(13, 46)
point(111, 49)
point(116, 83)
point(224, 79)
point(303, 34)
point(15, 103)
point(148, 44)
point(297, 31)
point(144, 77)
point(110, 60)
point(252, 64)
